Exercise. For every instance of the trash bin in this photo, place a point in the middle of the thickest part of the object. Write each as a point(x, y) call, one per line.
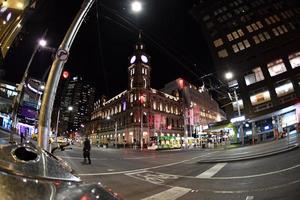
point(203, 145)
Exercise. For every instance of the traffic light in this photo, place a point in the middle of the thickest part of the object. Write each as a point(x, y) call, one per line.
point(66, 74)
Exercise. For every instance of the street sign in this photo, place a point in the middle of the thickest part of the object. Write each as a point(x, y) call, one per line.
point(62, 54)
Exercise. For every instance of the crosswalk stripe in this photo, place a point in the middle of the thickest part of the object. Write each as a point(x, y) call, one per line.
point(171, 194)
point(211, 171)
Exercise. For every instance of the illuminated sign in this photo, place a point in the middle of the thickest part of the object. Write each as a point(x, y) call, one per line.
point(237, 119)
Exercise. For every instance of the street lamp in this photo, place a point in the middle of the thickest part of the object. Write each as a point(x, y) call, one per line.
point(19, 97)
point(228, 75)
point(136, 6)
point(42, 42)
point(70, 108)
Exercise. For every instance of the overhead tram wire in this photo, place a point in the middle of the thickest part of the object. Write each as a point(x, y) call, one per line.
point(101, 57)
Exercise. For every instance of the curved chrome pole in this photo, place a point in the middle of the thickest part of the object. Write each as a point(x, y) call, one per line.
point(54, 75)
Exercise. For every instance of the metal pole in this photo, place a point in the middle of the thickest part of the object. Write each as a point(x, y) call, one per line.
point(141, 116)
point(239, 112)
point(55, 72)
point(57, 122)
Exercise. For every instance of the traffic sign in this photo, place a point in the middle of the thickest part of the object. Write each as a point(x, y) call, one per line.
point(62, 54)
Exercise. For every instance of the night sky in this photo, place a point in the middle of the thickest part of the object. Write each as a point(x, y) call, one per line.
point(172, 39)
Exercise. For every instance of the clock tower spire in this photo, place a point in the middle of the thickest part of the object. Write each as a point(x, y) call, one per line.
point(139, 66)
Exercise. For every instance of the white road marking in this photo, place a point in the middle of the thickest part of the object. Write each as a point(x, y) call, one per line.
point(152, 177)
point(170, 194)
point(80, 158)
point(249, 197)
point(212, 171)
point(110, 170)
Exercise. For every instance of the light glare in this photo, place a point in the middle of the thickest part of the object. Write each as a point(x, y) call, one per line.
point(136, 6)
point(229, 75)
point(42, 42)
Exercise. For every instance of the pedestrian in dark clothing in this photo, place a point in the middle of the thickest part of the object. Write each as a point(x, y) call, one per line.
point(86, 150)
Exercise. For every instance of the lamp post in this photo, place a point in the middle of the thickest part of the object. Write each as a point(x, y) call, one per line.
point(229, 76)
point(16, 103)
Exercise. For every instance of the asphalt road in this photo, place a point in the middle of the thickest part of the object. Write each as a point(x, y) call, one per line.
point(169, 175)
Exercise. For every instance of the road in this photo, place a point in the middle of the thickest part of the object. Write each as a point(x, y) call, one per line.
point(179, 174)
point(170, 175)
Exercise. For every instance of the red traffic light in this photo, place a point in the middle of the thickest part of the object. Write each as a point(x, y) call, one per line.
point(66, 74)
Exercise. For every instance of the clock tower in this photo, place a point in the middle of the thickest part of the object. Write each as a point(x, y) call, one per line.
point(139, 67)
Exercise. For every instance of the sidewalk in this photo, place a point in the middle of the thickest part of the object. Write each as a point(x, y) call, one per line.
point(254, 151)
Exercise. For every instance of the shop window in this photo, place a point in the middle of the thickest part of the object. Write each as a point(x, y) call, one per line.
point(254, 76)
point(260, 97)
point(284, 88)
point(239, 103)
point(288, 119)
point(218, 42)
point(223, 53)
point(276, 67)
point(295, 59)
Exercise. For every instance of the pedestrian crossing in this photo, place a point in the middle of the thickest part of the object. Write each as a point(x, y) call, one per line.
point(170, 194)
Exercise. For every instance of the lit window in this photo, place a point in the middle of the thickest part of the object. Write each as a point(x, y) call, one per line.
point(240, 32)
point(229, 36)
point(280, 30)
point(254, 26)
point(272, 19)
point(261, 37)
point(160, 107)
point(284, 89)
point(241, 46)
point(254, 76)
point(143, 71)
point(154, 105)
point(233, 83)
point(277, 18)
point(256, 40)
point(246, 43)
point(131, 83)
point(146, 71)
point(284, 28)
point(235, 35)
point(218, 42)
point(276, 67)
point(259, 98)
point(259, 24)
point(249, 28)
point(275, 32)
point(223, 53)
point(235, 104)
point(295, 60)
point(267, 36)
point(268, 21)
point(235, 48)
point(131, 98)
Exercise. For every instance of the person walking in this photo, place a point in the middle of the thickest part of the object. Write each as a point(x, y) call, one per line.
point(86, 150)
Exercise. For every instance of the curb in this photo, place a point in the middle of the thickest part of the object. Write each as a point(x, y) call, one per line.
point(250, 157)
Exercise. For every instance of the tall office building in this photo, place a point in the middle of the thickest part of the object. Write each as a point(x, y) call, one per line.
point(76, 105)
point(13, 14)
point(259, 41)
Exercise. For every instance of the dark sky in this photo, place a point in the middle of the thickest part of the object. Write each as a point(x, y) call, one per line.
point(172, 38)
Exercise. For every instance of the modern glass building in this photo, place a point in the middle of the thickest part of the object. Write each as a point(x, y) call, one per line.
point(259, 42)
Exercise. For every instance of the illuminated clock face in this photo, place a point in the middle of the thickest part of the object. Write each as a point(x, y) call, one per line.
point(133, 58)
point(144, 58)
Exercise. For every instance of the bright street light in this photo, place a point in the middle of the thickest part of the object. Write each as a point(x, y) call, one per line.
point(229, 75)
point(70, 108)
point(136, 6)
point(42, 42)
